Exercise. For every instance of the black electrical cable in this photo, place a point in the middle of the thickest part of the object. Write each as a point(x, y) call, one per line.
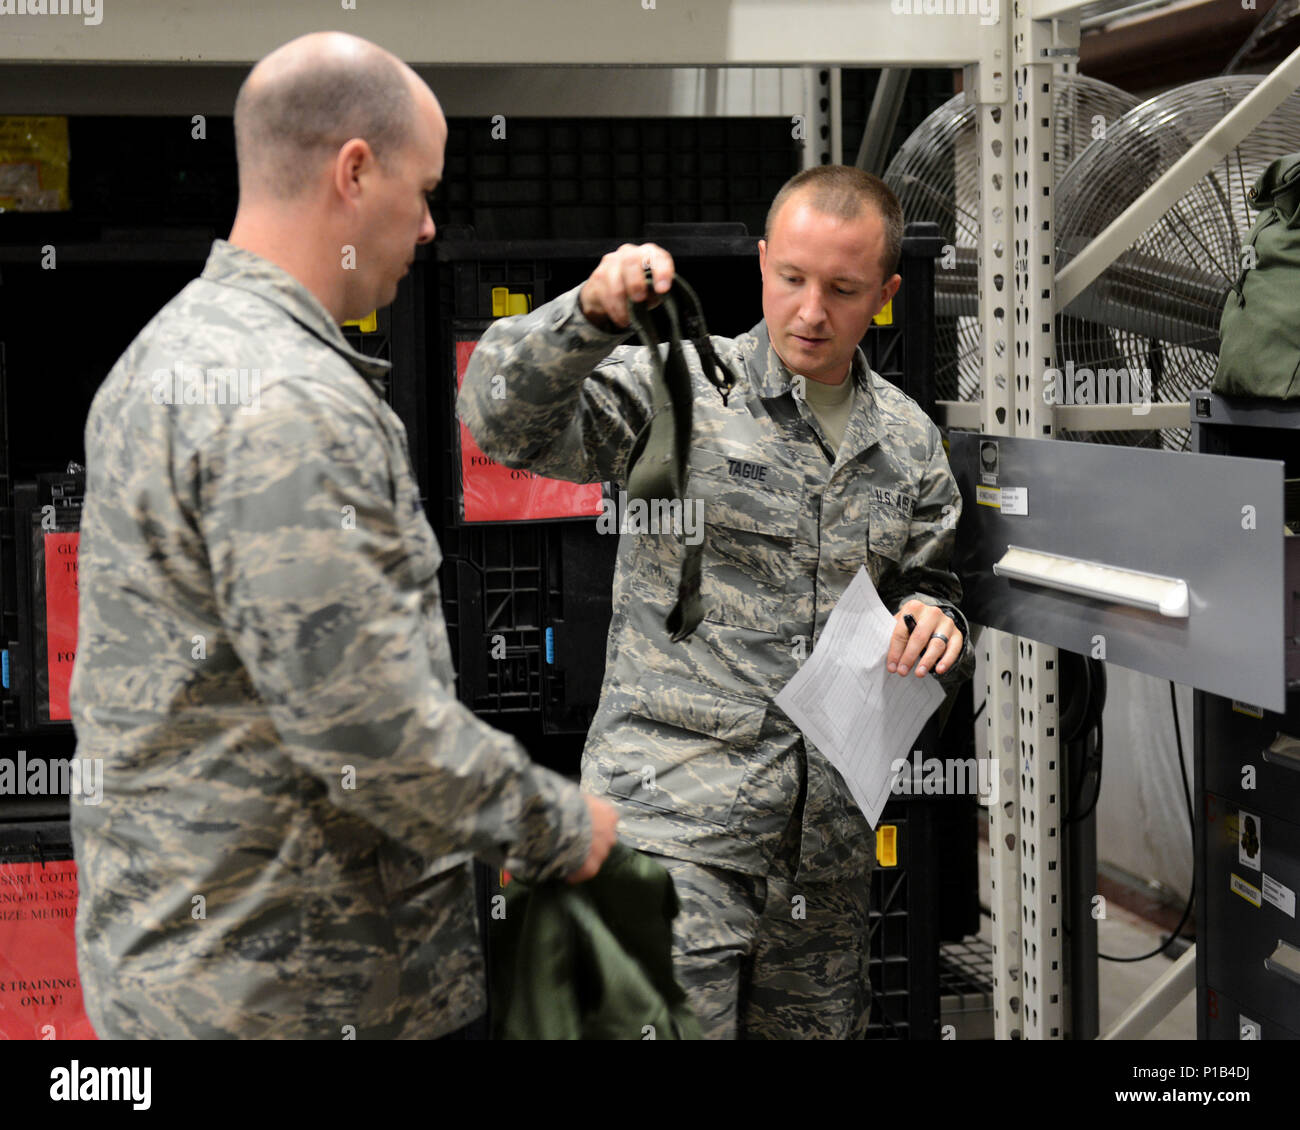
point(1187, 796)
point(1096, 794)
point(1182, 769)
point(1090, 719)
point(1163, 945)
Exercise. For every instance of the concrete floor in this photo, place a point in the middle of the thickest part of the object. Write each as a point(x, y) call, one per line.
point(1122, 934)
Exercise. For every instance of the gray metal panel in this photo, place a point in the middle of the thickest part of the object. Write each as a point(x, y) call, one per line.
point(1231, 741)
point(1172, 513)
point(511, 32)
point(464, 92)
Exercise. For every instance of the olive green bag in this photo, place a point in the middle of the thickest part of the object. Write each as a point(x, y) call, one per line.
point(1259, 333)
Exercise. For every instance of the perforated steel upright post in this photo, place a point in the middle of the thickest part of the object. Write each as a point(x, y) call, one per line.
point(988, 82)
point(1033, 275)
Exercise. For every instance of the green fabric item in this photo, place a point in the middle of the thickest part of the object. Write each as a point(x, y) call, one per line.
point(590, 961)
point(1259, 332)
point(657, 465)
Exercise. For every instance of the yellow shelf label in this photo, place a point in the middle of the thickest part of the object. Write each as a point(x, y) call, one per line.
point(506, 302)
point(887, 845)
point(366, 325)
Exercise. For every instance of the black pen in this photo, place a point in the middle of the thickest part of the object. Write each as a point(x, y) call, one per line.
point(910, 621)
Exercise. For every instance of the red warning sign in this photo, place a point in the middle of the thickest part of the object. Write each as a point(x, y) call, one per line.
point(494, 493)
point(60, 617)
point(40, 991)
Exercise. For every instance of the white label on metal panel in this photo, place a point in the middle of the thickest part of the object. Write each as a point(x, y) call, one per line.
point(1280, 895)
point(1246, 708)
point(1250, 834)
point(989, 496)
point(1248, 891)
point(1015, 500)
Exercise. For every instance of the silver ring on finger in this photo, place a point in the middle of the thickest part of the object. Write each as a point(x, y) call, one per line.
point(939, 636)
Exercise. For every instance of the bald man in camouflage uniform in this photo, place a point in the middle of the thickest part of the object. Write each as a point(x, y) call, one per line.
point(291, 789)
point(770, 855)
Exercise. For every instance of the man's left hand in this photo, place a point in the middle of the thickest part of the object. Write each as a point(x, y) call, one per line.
point(925, 647)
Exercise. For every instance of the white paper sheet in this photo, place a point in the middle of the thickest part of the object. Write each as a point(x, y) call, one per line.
point(848, 704)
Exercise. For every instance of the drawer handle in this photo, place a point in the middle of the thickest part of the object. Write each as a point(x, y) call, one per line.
point(1284, 752)
point(1166, 595)
point(1285, 962)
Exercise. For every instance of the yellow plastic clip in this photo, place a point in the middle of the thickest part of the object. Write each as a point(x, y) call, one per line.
point(887, 845)
point(505, 302)
point(886, 315)
point(366, 325)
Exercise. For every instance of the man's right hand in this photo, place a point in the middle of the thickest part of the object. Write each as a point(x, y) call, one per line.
point(603, 835)
point(620, 276)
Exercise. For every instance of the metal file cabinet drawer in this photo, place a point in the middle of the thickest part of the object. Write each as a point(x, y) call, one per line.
point(1225, 1018)
point(1252, 874)
point(1238, 747)
point(1209, 526)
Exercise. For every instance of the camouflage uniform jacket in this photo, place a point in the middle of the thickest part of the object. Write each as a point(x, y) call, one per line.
point(291, 788)
point(686, 740)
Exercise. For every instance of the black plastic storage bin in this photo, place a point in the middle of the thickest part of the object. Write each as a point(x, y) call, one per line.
point(528, 609)
point(34, 830)
point(904, 953)
point(903, 353)
point(560, 177)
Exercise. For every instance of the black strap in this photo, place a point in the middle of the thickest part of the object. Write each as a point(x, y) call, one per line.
point(657, 465)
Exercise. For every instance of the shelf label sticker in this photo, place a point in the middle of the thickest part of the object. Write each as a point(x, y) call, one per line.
point(40, 988)
point(1015, 500)
point(1249, 839)
point(60, 617)
point(1248, 891)
point(1247, 709)
point(493, 492)
point(989, 496)
point(1279, 895)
